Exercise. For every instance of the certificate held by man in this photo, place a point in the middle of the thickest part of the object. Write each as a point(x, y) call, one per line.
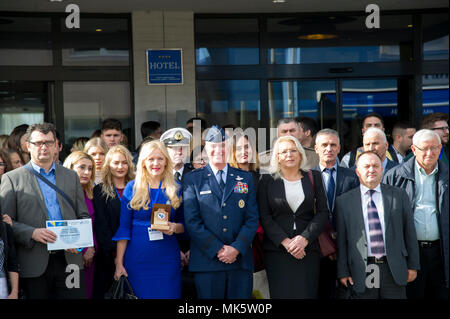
point(160, 217)
point(71, 234)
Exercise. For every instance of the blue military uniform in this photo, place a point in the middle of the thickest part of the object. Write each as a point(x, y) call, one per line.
point(214, 218)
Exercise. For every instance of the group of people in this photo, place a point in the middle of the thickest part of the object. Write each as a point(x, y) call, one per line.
point(231, 212)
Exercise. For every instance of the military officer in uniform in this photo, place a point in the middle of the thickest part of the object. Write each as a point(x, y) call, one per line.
point(221, 217)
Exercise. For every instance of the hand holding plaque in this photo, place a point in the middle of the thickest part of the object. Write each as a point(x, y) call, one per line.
point(160, 217)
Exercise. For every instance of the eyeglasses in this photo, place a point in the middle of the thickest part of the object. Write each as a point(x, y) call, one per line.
point(3, 164)
point(46, 143)
point(433, 149)
point(443, 128)
point(286, 152)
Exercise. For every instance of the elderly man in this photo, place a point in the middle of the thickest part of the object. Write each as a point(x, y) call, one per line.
point(291, 127)
point(371, 120)
point(375, 140)
point(336, 181)
point(376, 235)
point(425, 179)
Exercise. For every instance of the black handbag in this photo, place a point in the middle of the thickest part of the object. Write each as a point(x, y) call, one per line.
point(121, 289)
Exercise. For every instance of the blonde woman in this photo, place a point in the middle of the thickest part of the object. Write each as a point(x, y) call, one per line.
point(83, 164)
point(97, 148)
point(150, 259)
point(117, 171)
point(293, 213)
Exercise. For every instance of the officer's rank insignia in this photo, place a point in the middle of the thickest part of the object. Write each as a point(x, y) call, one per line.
point(241, 203)
point(241, 188)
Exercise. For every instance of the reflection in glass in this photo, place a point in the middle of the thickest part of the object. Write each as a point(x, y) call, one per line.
point(435, 93)
point(21, 102)
point(229, 102)
point(302, 98)
point(435, 36)
point(87, 104)
point(340, 39)
point(25, 41)
point(226, 41)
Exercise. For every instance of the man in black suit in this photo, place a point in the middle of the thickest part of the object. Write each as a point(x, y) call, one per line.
point(336, 181)
point(178, 141)
point(376, 235)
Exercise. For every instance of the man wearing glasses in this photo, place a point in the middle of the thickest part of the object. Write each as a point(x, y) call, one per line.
point(425, 179)
point(30, 202)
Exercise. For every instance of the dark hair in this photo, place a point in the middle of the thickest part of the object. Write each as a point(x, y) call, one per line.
point(44, 128)
point(286, 120)
point(4, 157)
point(308, 124)
point(7, 158)
point(13, 140)
point(111, 124)
point(96, 133)
point(148, 128)
point(399, 126)
point(203, 123)
point(372, 114)
point(367, 152)
point(429, 120)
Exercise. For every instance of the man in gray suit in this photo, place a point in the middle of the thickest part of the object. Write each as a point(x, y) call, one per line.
point(376, 234)
point(30, 202)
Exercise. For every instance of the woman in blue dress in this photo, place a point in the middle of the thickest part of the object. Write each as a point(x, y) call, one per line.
point(150, 259)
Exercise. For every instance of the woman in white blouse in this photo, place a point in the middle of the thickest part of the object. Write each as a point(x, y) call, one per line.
point(293, 214)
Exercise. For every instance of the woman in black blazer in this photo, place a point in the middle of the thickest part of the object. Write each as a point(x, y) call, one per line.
point(117, 171)
point(292, 215)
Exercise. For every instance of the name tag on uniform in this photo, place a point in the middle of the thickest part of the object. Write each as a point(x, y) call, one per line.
point(154, 235)
point(205, 192)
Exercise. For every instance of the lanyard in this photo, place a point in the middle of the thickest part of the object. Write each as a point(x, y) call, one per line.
point(120, 198)
point(442, 152)
point(154, 200)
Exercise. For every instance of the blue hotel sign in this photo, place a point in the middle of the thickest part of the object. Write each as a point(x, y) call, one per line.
point(164, 66)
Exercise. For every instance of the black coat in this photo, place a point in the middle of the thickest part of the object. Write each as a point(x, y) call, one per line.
point(9, 250)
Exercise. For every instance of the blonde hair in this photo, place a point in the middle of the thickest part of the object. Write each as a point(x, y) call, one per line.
point(74, 158)
point(253, 162)
point(274, 165)
point(141, 197)
point(96, 142)
point(107, 180)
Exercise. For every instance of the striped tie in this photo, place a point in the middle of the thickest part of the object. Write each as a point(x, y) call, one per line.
point(375, 230)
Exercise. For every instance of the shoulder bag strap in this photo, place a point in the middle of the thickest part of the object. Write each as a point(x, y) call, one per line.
point(56, 188)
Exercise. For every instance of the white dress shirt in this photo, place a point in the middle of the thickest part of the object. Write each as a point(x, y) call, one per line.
point(179, 171)
point(378, 200)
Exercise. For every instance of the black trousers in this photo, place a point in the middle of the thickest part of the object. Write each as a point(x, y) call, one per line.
point(52, 284)
point(430, 281)
point(388, 288)
point(327, 279)
point(103, 274)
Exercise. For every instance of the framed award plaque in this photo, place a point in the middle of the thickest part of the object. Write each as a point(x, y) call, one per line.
point(160, 217)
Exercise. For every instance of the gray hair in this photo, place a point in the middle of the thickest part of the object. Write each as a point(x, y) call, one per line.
point(328, 131)
point(377, 131)
point(425, 135)
point(274, 165)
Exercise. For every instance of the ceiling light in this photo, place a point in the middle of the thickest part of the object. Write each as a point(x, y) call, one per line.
point(98, 30)
point(410, 25)
point(278, 1)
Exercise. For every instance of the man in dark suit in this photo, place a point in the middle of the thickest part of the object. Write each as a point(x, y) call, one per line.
point(376, 235)
point(336, 181)
point(221, 217)
point(178, 141)
point(30, 203)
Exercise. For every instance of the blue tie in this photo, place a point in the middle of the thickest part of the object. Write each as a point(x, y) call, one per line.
point(221, 182)
point(330, 189)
